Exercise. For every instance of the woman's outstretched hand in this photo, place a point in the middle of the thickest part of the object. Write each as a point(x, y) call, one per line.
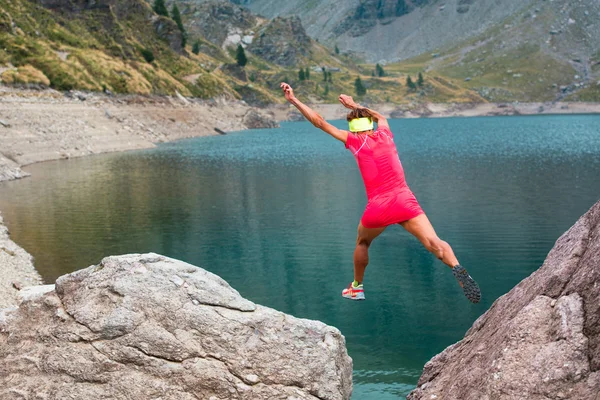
point(287, 91)
point(347, 101)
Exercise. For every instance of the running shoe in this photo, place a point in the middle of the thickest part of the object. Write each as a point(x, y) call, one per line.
point(354, 293)
point(469, 286)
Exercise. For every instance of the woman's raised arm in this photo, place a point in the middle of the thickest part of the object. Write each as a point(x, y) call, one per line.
point(312, 116)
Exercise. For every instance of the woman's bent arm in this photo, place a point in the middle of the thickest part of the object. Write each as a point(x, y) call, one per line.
point(348, 102)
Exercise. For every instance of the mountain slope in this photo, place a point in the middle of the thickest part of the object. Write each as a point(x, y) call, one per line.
point(527, 50)
point(118, 46)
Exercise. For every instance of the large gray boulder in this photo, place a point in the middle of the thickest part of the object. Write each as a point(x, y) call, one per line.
point(151, 327)
point(540, 341)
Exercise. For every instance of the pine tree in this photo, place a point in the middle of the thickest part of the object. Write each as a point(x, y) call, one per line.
point(401, 8)
point(307, 74)
point(148, 55)
point(409, 82)
point(240, 56)
point(361, 90)
point(379, 70)
point(337, 49)
point(177, 18)
point(196, 47)
point(324, 74)
point(160, 8)
point(301, 75)
point(420, 80)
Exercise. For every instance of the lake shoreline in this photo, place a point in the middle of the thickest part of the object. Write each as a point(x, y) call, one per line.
point(75, 124)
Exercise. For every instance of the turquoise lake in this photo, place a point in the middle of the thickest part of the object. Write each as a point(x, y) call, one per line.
point(274, 212)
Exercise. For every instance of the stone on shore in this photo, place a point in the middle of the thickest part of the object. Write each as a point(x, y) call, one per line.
point(16, 269)
point(9, 170)
point(540, 341)
point(257, 120)
point(147, 326)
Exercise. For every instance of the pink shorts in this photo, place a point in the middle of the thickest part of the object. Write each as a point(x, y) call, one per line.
point(391, 208)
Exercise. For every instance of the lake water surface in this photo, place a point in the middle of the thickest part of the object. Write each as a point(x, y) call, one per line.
point(274, 212)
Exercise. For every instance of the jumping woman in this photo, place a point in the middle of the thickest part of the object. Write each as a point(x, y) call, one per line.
point(390, 200)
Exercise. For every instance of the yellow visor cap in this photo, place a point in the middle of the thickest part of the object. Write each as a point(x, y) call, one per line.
point(360, 124)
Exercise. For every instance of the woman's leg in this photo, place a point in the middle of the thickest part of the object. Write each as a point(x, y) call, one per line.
point(422, 229)
point(361, 252)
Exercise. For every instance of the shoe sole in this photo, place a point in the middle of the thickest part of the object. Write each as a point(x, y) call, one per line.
point(469, 286)
point(357, 297)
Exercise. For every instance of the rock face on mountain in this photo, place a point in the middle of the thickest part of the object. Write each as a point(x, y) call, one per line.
point(282, 41)
point(147, 326)
point(217, 20)
point(389, 30)
point(540, 341)
point(369, 12)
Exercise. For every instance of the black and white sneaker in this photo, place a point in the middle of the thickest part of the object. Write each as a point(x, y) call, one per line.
point(469, 286)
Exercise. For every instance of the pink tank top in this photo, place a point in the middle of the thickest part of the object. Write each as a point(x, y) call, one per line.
point(378, 161)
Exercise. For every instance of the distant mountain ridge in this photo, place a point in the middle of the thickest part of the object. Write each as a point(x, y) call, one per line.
point(393, 30)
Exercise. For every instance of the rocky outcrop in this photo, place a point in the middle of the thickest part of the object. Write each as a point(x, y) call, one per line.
point(9, 170)
point(168, 30)
point(282, 41)
point(540, 341)
point(368, 12)
point(16, 269)
point(256, 120)
point(215, 21)
point(147, 326)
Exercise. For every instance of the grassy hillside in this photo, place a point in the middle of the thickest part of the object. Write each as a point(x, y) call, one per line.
point(125, 47)
point(119, 46)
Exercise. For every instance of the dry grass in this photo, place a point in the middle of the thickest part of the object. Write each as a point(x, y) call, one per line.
point(26, 74)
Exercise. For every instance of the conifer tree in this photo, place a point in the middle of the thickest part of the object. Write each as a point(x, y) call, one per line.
point(361, 90)
point(176, 16)
point(420, 80)
point(301, 74)
point(307, 74)
point(160, 8)
point(337, 49)
point(240, 56)
point(410, 84)
point(379, 70)
point(324, 74)
point(196, 47)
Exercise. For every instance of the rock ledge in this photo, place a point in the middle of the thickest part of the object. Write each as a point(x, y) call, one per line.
point(540, 341)
point(147, 326)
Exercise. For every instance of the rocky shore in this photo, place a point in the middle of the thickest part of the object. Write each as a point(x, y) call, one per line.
point(47, 125)
point(16, 269)
point(433, 110)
